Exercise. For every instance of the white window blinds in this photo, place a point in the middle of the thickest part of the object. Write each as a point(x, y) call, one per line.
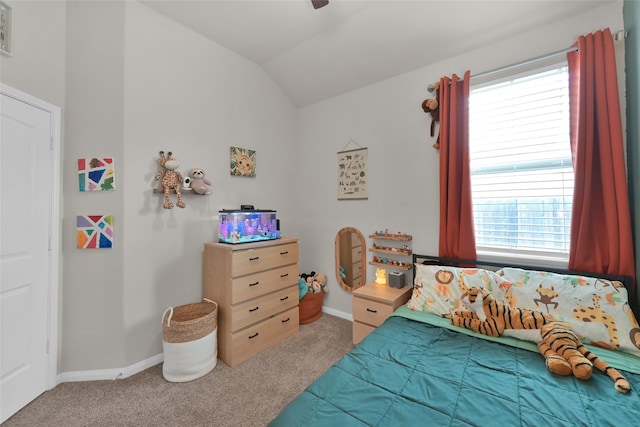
point(521, 171)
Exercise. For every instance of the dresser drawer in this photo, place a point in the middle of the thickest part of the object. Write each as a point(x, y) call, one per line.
point(370, 312)
point(249, 261)
point(262, 336)
point(357, 282)
point(356, 269)
point(255, 310)
point(255, 285)
point(356, 254)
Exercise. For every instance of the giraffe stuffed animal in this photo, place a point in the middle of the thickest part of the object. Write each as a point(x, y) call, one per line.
point(171, 179)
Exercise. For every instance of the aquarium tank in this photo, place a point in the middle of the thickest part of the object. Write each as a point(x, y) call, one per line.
point(244, 226)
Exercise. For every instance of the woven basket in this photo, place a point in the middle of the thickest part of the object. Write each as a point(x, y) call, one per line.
point(189, 322)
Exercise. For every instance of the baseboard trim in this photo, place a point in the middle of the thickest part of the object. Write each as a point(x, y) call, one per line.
point(338, 313)
point(110, 374)
point(121, 373)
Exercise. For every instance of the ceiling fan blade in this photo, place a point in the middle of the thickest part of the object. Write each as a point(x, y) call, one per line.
point(317, 4)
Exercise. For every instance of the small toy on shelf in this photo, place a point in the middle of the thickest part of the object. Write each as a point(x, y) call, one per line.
point(379, 234)
point(171, 179)
point(199, 184)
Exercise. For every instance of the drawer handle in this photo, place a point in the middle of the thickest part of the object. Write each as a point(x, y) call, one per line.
point(284, 275)
point(253, 336)
point(286, 320)
point(254, 309)
point(255, 258)
point(254, 284)
point(372, 311)
point(285, 298)
point(284, 253)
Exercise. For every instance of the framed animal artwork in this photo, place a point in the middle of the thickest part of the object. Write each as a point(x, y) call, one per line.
point(243, 162)
point(352, 174)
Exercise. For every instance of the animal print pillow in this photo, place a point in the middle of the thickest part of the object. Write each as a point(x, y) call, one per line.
point(598, 309)
point(437, 289)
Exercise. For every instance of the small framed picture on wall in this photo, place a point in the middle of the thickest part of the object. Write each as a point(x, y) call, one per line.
point(242, 162)
point(6, 29)
point(352, 174)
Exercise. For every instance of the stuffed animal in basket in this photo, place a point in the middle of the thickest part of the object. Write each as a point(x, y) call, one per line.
point(199, 184)
point(312, 283)
point(170, 178)
point(319, 283)
point(561, 347)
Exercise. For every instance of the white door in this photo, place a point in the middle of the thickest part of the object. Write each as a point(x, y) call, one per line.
point(26, 161)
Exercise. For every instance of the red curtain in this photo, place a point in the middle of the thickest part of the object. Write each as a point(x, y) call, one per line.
point(601, 221)
point(457, 237)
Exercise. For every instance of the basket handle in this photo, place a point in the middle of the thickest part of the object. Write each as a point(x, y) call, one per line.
point(170, 316)
point(208, 300)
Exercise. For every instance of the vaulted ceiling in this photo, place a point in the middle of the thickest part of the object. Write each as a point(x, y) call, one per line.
point(315, 54)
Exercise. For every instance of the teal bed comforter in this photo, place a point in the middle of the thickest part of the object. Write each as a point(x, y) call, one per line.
point(411, 373)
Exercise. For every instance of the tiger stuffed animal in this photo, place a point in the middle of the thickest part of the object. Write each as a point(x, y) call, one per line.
point(561, 347)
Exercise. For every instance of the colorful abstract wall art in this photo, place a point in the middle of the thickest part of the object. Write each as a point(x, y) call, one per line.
point(96, 174)
point(243, 162)
point(94, 231)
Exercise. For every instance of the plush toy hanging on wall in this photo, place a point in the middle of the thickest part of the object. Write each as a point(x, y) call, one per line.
point(171, 179)
point(432, 106)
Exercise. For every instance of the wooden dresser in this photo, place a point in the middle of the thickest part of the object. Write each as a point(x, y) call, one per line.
point(256, 288)
point(372, 304)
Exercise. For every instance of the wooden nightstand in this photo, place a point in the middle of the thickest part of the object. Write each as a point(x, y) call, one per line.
point(372, 304)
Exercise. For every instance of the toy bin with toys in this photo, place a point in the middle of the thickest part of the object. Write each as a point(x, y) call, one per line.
point(312, 288)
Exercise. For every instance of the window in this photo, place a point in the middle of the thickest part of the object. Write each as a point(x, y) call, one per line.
point(521, 170)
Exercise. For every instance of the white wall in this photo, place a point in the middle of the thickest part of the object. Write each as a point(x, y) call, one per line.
point(92, 322)
point(186, 94)
point(403, 168)
point(137, 83)
point(132, 83)
point(37, 65)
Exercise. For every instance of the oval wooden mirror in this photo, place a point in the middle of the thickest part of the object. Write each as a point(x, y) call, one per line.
point(351, 269)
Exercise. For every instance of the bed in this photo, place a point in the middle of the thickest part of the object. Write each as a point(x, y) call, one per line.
point(418, 369)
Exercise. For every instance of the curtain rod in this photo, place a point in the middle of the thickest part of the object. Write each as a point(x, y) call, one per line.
point(618, 36)
point(527, 62)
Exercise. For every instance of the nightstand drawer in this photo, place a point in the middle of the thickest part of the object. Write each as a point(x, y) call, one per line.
point(248, 287)
point(360, 330)
point(249, 261)
point(370, 312)
point(256, 310)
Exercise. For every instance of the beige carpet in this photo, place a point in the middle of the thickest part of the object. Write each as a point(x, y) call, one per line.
point(250, 394)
